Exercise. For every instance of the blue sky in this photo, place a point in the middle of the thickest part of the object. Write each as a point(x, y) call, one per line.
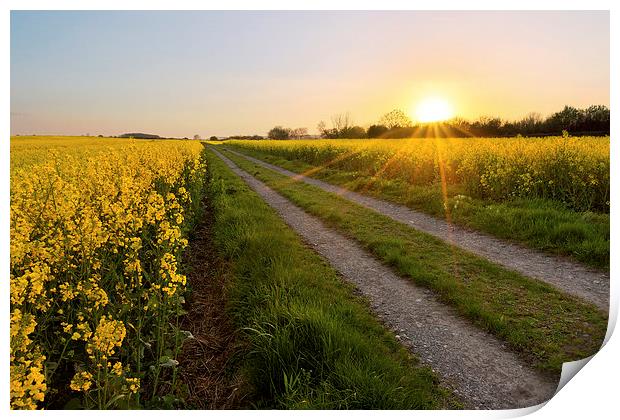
point(221, 73)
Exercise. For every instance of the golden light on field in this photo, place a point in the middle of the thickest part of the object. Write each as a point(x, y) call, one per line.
point(433, 109)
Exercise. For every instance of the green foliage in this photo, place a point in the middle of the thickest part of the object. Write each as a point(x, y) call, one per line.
point(520, 310)
point(592, 120)
point(312, 342)
point(279, 133)
point(395, 119)
point(376, 131)
point(522, 199)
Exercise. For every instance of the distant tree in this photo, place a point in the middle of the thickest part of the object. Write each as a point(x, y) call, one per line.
point(401, 133)
point(245, 137)
point(341, 122)
point(567, 119)
point(342, 127)
point(596, 118)
point(355, 132)
point(196, 137)
point(376, 131)
point(458, 122)
point(487, 126)
point(395, 119)
point(298, 133)
point(326, 133)
point(532, 119)
point(213, 138)
point(593, 120)
point(279, 133)
point(597, 113)
point(139, 136)
point(455, 127)
point(531, 123)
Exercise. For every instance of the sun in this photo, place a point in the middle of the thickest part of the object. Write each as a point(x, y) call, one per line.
point(434, 109)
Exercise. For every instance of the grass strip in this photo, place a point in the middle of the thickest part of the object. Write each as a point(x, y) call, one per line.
point(312, 342)
point(546, 326)
point(539, 224)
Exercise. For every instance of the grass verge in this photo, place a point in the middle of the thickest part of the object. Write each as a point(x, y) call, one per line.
point(540, 224)
point(546, 326)
point(312, 342)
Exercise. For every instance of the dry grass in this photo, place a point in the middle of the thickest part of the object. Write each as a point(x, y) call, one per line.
point(207, 362)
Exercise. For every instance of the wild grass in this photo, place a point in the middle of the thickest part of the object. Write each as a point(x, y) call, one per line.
point(312, 342)
point(540, 223)
point(547, 327)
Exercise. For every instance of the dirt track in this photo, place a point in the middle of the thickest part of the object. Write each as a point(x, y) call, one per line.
point(477, 366)
point(568, 276)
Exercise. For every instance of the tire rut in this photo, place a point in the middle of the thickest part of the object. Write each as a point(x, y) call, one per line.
point(480, 369)
point(589, 284)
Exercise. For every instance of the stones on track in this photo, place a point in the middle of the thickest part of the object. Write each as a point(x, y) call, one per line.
point(476, 365)
point(575, 279)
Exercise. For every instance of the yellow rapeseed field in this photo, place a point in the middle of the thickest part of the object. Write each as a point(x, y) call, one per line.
point(572, 170)
point(97, 230)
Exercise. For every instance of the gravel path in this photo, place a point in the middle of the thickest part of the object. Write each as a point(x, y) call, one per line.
point(589, 284)
point(477, 366)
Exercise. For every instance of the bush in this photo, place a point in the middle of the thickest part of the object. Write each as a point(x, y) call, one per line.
point(376, 131)
point(279, 133)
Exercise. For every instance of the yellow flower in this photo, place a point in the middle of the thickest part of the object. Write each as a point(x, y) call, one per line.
point(117, 369)
point(134, 384)
point(108, 335)
point(82, 381)
point(87, 219)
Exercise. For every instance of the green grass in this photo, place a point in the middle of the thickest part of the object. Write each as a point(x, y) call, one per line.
point(540, 224)
point(546, 326)
point(312, 342)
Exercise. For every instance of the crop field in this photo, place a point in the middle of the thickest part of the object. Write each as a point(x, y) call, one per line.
point(115, 241)
point(549, 193)
point(246, 219)
point(574, 171)
point(518, 309)
point(97, 228)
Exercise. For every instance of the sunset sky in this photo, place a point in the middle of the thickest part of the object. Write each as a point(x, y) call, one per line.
point(224, 73)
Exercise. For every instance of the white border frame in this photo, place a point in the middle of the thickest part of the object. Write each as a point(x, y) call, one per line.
point(593, 392)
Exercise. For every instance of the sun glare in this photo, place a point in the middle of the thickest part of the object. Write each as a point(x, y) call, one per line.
point(433, 109)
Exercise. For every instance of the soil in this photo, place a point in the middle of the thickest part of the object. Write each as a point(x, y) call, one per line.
point(207, 362)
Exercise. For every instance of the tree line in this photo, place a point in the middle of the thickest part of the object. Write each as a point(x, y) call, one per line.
point(593, 120)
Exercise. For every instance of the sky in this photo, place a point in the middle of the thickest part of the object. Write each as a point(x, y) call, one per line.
point(178, 73)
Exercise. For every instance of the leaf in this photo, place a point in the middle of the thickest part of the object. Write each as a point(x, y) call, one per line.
point(187, 335)
point(51, 366)
point(166, 361)
point(113, 400)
